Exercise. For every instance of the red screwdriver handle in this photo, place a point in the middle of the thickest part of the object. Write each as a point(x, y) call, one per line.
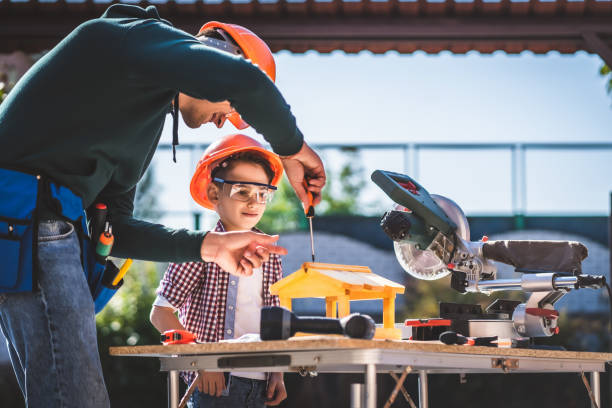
point(309, 211)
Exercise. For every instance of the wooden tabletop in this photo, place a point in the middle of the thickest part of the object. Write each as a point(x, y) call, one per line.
point(340, 343)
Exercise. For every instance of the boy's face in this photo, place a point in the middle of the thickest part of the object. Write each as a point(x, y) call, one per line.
point(238, 215)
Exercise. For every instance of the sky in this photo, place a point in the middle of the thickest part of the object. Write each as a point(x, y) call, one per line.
point(444, 98)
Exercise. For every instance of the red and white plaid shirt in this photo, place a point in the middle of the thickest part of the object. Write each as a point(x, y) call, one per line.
point(199, 291)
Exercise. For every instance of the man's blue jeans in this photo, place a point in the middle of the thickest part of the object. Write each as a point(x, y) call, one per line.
point(51, 332)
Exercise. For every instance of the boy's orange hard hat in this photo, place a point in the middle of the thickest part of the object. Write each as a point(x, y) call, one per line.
point(222, 149)
point(253, 48)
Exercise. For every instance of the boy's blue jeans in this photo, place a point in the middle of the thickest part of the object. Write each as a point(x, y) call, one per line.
point(51, 332)
point(243, 393)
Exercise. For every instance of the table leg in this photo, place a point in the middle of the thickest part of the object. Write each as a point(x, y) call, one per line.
point(356, 395)
point(423, 393)
point(370, 386)
point(173, 389)
point(596, 387)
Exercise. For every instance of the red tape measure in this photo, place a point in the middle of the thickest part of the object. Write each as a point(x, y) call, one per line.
point(177, 337)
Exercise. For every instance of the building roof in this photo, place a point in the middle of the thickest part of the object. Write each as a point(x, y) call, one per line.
point(351, 26)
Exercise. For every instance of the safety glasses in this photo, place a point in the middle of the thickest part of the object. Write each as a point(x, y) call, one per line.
point(246, 191)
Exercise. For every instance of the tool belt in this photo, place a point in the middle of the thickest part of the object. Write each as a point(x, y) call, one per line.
point(21, 195)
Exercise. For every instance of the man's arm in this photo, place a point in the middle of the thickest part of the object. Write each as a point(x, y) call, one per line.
point(160, 55)
point(145, 240)
point(235, 252)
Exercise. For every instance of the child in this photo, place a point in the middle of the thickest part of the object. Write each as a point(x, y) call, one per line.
point(236, 177)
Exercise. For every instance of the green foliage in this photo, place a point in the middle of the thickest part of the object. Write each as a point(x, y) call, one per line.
point(605, 71)
point(339, 197)
point(284, 213)
point(343, 200)
point(125, 321)
point(3, 87)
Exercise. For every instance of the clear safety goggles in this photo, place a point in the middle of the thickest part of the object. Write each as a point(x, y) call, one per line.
point(247, 191)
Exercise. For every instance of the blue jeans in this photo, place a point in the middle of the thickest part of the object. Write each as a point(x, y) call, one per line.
point(243, 393)
point(51, 332)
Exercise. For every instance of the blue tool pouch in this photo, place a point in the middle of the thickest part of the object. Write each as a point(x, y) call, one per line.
point(18, 230)
point(20, 197)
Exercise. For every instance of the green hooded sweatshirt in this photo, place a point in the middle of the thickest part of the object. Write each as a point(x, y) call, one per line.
point(89, 115)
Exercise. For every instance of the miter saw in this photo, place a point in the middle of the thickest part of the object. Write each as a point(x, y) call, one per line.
point(431, 237)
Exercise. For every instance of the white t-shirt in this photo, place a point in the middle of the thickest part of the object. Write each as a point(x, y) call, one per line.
point(249, 301)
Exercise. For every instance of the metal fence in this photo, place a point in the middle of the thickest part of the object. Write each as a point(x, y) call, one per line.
point(485, 178)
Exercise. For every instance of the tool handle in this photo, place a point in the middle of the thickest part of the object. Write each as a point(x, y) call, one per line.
point(105, 242)
point(98, 219)
point(309, 210)
point(319, 325)
point(406, 192)
point(124, 268)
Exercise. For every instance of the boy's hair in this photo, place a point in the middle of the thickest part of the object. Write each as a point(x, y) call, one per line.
point(242, 157)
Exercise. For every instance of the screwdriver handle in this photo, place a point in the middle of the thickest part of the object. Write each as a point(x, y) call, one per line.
point(309, 210)
point(105, 242)
point(98, 219)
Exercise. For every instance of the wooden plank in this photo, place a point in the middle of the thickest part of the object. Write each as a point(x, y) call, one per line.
point(330, 343)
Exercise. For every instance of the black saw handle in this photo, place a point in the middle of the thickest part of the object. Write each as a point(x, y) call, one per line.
point(407, 192)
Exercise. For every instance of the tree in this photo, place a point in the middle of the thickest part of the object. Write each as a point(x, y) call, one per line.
point(3, 92)
point(339, 197)
point(344, 200)
point(125, 321)
point(284, 213)
point(605, 71)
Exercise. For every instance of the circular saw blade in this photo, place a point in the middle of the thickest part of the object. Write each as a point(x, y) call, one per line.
point(424, 264)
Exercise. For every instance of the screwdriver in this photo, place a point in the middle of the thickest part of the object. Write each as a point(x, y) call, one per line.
point(105, 243)
point(98, 219)
point(309, 211)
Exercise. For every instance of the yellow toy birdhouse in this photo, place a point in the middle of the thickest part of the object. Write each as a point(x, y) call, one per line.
point(338, 285)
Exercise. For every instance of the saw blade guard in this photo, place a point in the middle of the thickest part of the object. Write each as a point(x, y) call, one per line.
point(424, 263)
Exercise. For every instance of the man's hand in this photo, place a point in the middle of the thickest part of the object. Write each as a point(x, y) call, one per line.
point(239, 252)
point(276, 389)
point(211, 383)
point(305, 165)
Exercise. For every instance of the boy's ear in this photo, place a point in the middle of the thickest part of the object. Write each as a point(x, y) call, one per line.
point(213, 193)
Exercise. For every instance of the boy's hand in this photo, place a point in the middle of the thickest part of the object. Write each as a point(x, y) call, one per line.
point(212, 384)
point(276, 392)
point(237, 252)
point(305, 165)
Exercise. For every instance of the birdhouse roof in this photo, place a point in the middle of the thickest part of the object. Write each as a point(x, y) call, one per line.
point(319, 278)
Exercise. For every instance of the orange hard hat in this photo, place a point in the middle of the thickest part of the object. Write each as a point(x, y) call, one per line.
point(222, 149)
point(252, 48)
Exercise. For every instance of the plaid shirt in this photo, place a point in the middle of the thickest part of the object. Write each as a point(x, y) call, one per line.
point(200, 291)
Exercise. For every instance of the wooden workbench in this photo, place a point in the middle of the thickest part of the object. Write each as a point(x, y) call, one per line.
point(342, 355)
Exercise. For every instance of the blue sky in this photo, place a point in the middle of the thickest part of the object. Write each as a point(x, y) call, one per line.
point(365, 98)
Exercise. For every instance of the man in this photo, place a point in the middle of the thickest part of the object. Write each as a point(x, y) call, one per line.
point(80, 128)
